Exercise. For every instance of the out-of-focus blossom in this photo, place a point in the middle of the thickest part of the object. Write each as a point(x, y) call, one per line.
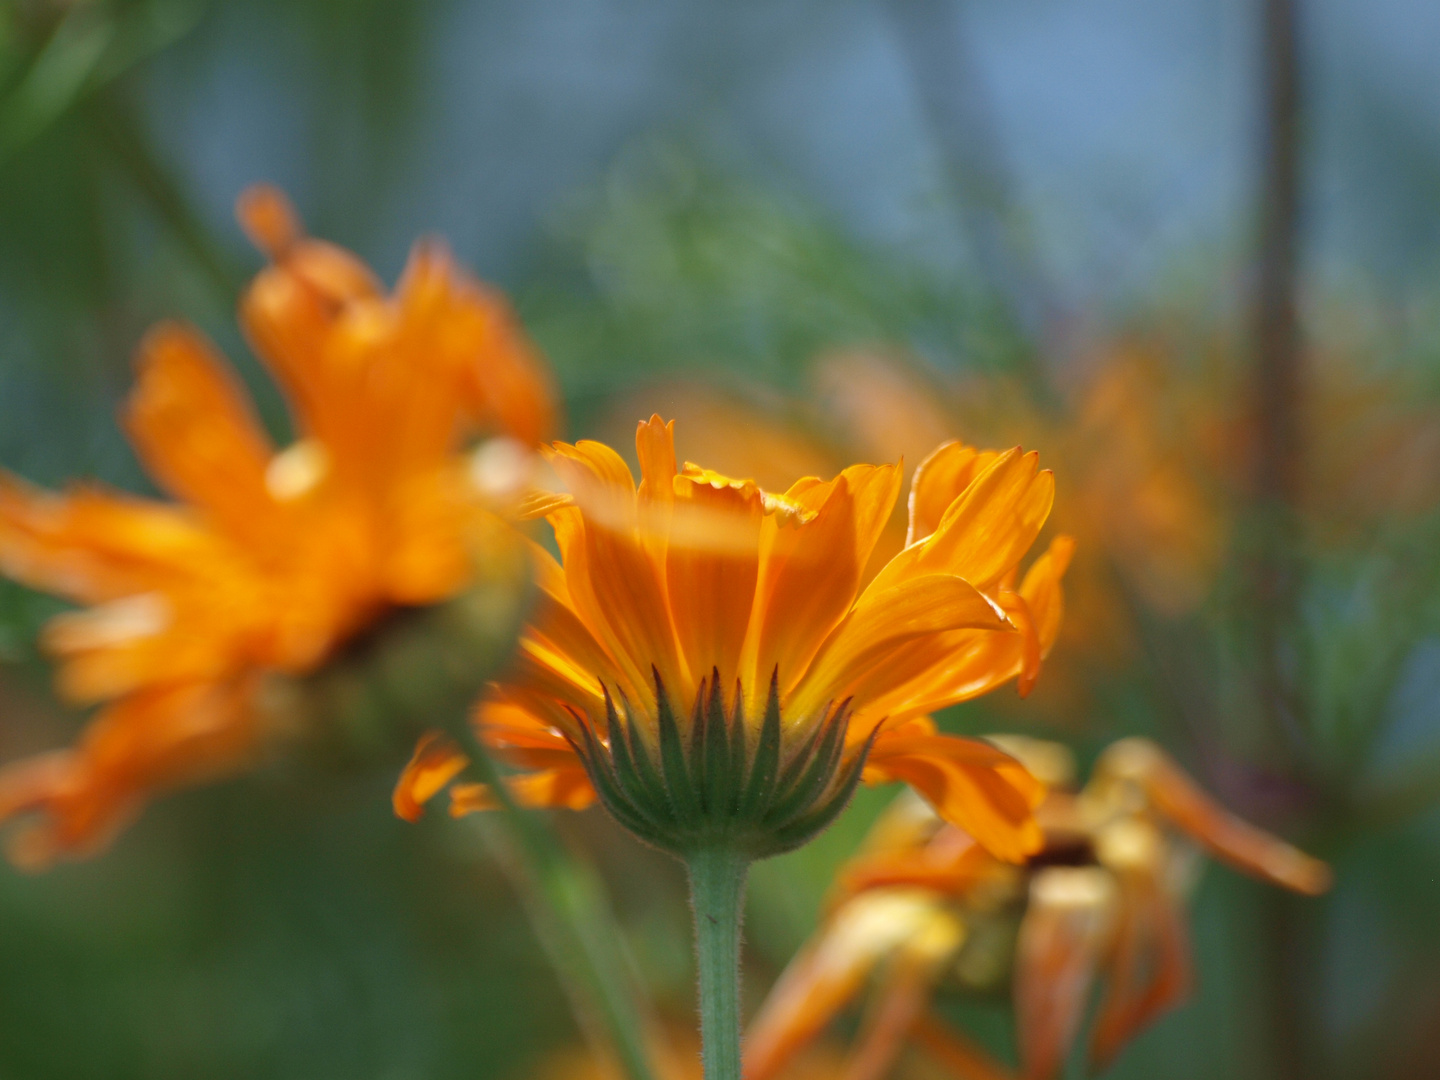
point(1146, 504)
point(706, 662)
point(1374, 451)
point(269, 559)
point(925, 908)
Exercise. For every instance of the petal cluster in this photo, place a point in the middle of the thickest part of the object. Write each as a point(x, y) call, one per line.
point(691, 588)
point(926, 907)
point(268, 557)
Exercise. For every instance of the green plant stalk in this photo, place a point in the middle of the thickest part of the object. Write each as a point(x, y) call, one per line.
point(717, 893)
point(566, 904)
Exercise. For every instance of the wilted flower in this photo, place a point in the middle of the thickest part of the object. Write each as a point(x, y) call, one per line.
point(926, 908)
point(702, 662)
point(269, 559)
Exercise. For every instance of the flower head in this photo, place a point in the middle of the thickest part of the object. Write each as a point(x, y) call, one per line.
point(704, 660)
point(927, 908)
point(268, 559)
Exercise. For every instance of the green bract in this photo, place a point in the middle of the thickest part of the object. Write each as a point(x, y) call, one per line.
point(713, 788)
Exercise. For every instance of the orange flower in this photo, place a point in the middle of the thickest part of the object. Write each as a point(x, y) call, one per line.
point(705, 662)
point(928, 907)
point(269, 559)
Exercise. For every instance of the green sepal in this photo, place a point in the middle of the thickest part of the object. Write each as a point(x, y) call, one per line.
point(703, 794)
point(737, 751)
point(627, 777)
point(804, 828)
point(716, 782)
point(607, 786)
point(649, 776)
point(796, 796)
point(765, 769)
point(672, 758)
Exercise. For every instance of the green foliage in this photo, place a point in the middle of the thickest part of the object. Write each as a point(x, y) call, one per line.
point(672, 265)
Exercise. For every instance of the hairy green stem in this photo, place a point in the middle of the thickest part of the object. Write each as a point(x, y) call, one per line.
point(717, 892)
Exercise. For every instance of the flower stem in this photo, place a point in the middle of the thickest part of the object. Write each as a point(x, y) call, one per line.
point(567, 906)
point(717, 890)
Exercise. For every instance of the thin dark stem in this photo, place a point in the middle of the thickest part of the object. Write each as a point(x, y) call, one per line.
point(1278, 475)
point(1279, 382)
point(122, 135)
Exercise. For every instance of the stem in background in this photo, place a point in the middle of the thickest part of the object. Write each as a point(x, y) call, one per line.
point(566, 903)
point(1279, 383)
point(125, 139)
point(1278, 472)
point(717, 892)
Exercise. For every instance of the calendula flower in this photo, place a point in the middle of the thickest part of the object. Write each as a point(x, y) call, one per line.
point(925, 907)
point(269, 558)
point(704, 662)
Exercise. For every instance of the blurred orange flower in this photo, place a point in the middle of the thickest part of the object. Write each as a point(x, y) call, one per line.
point(706, 662)
point(1146, 459)
point(927, 908)
point(268, 559)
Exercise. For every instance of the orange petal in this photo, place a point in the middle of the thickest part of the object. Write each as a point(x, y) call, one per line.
point(288, 326)
point(1019, 613)
point(899, 1001)
point(92, 546)
point(952, 875)
point(1065, 929)
point(538, 504)
point(938, 481)
point(983, 790)
point(615, 584)
point(570, 536)
point(961, 1058)
point(813, 570)
point(829, 971)
point(520, 738)
point(712, 591)
point(140, 641)
point(655, 447)
point(630, 596)
point(987, 529)
point(145, 744)
point(1171, 792)
point(568, 788)
point(462, 340)
point(856, 658)
point(592, 471)
point(504, 380)
point(1042, 592)
point(193, 428)
point(333, 275)
point(569, 646)
point(959, 665)
point(268, 218)
point(1149, 969)
point(436, 761)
